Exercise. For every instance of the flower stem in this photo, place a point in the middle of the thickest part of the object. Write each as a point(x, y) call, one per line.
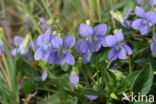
point(130, 65)
point(153, 30)
point(109, 63)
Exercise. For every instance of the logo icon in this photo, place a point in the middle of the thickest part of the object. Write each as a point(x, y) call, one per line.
point(138, 98)
point(126, 97)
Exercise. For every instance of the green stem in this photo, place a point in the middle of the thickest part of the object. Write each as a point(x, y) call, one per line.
point(85, 76)
point(46, 69)
point(153, 30)
point(47, 9)
point(109, 63)
point(130, 65)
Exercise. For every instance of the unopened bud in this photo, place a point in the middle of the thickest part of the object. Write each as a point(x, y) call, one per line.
point(50, 21)
point(115, 31)
point(54, 33)
point(118, 16)
point(113, 96)
point(59, 34)
point(88, 22)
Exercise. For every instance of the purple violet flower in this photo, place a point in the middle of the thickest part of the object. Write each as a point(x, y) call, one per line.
point(18, 40)
point(152, 3)
point(59, 54)
point(119, 49)
point(44, 45)
point(74, 79)
point(127, 23)
point(94, 37)
point(44, 75)
point(153, 45)
point(92, 97)
point(85, 55)
point(145, 22)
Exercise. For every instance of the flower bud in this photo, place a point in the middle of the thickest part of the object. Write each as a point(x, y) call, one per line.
point(88, 22)
point(54, 32)
point(92, 97)
point(44, 75)
point(118, 74)
point(113, 96)
point(118, 16)
point(74, 79)
point(115, 31)
point(50, 21)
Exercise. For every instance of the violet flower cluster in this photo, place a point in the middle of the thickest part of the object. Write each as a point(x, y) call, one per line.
point(93, 40)
point(53, 49)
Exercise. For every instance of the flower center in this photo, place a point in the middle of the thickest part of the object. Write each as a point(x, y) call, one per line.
point(118, 47)
point(61, 52)
point(92, 39)
point(46, 46)
point(147, 22)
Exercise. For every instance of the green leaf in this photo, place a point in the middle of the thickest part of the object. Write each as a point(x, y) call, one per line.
point(70, 101)
point(62, 81)
point(65, 67)
point(50, 99)
point(29, 86)
point(145, 61)
point(130, 79)
point(25, 68)
point(99, 56)
point(93, 92)
point(144, 80)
